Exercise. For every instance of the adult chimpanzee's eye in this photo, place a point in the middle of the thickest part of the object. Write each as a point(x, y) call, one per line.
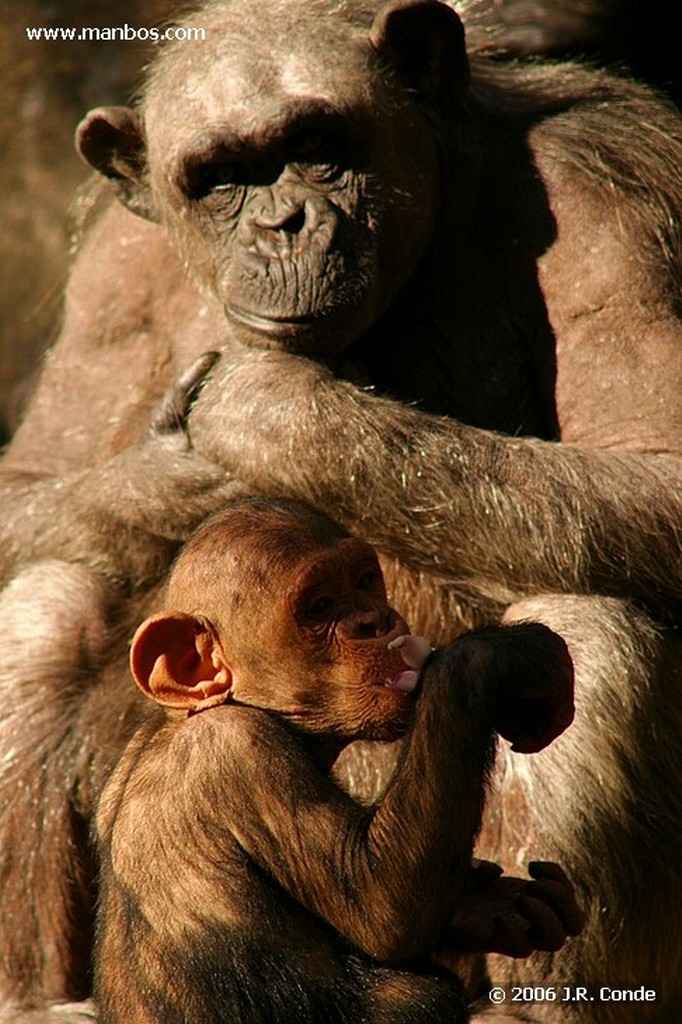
point(216, 177)
point(201, 179)
point(317, 154)
point(307, 145)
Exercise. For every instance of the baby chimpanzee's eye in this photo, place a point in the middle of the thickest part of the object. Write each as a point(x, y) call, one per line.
point(320, 606)
point(367, 580)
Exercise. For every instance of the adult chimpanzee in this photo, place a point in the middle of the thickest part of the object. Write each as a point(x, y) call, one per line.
point(500, 259)
point(45, 85)
point(228, 854)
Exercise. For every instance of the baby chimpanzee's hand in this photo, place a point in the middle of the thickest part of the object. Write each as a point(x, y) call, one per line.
point(526, 672)
point(499, 913)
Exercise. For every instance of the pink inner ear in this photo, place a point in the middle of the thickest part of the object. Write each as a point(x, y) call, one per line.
point(184, 661)
point(173, 659)
point(166, 653)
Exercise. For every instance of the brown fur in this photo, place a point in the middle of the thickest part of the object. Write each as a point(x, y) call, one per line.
point(227, 854)
point(46, 86)
point(524, 439)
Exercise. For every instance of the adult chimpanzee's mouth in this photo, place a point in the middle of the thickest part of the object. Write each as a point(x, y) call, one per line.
point(271, 325)
point(313, 334)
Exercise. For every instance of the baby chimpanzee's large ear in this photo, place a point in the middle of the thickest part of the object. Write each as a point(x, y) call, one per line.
point(177, 660)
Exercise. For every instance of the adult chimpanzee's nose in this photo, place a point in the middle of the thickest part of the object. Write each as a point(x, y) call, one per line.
point(287, 215)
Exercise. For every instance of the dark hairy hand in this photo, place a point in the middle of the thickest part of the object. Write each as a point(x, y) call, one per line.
point(525, 673)
point(499, 913)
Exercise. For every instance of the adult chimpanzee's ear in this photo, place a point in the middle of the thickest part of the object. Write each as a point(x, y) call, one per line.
point(424, 41)
point(177, 660)
point(111, 140)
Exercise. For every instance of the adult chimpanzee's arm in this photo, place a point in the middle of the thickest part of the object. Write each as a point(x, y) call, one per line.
point(124, 517)
point(84, 479)
point(498, 516)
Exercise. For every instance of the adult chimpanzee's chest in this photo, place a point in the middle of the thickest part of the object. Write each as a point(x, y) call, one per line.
point(458, 368)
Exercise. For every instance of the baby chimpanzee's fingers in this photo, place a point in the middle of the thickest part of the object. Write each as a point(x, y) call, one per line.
point(545, 930)
point(512, 936)
point(486, 870)
point(553, 886)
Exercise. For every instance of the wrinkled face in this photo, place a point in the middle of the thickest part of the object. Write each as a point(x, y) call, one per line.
point(299, 185)
point(319, 655)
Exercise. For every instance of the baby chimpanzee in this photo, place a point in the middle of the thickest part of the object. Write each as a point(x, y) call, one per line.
point(239, 882)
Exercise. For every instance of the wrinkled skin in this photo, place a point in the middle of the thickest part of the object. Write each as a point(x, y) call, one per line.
point(47, 86)
point(514, 272)
point(273, 197)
